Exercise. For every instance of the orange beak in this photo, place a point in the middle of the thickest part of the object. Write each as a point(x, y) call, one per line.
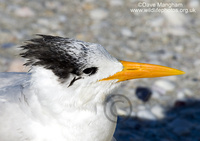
point(133, 70)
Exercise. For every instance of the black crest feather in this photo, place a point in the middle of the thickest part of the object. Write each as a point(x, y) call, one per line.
point(61, 55)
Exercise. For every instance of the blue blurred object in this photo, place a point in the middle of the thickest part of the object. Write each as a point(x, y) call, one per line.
point(143, 93)
point(7, 45)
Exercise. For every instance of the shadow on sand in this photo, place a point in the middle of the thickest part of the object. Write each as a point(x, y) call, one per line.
point(181, 123)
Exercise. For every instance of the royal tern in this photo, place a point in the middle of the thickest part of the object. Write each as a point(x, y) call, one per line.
point(62, 97)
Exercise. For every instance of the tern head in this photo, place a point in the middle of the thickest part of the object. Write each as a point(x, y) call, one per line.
point(82, 65)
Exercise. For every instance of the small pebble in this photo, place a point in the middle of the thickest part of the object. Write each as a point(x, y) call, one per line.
point(88, 6)
point(126, 32)
point(24, 12)
point(179, 103)
point(52, 4)
point(180, 96)
point(141, 107)
point(187, 92)
point(158, 90)
point(62, 18)
point(146, 114)
point(43, 21)
point(156, 95)
point(158, 111)
point(121, 112)
point(157, 22)
point(98, 14)
point(179, 49)
point(116, 2)
point(165, 85)
point(143, 93)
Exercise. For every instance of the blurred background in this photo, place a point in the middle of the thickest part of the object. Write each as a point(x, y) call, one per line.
point(162, 109)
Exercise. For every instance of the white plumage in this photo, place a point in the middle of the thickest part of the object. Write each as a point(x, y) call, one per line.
point(37, 106)
point(63, 96)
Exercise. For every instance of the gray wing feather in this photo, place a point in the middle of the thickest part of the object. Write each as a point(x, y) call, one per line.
point(11, 85)
point(13, 78)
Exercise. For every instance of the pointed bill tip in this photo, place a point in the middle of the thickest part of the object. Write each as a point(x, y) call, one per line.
point(177, 72)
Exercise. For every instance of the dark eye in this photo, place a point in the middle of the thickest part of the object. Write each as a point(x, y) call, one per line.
point(90, 71)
